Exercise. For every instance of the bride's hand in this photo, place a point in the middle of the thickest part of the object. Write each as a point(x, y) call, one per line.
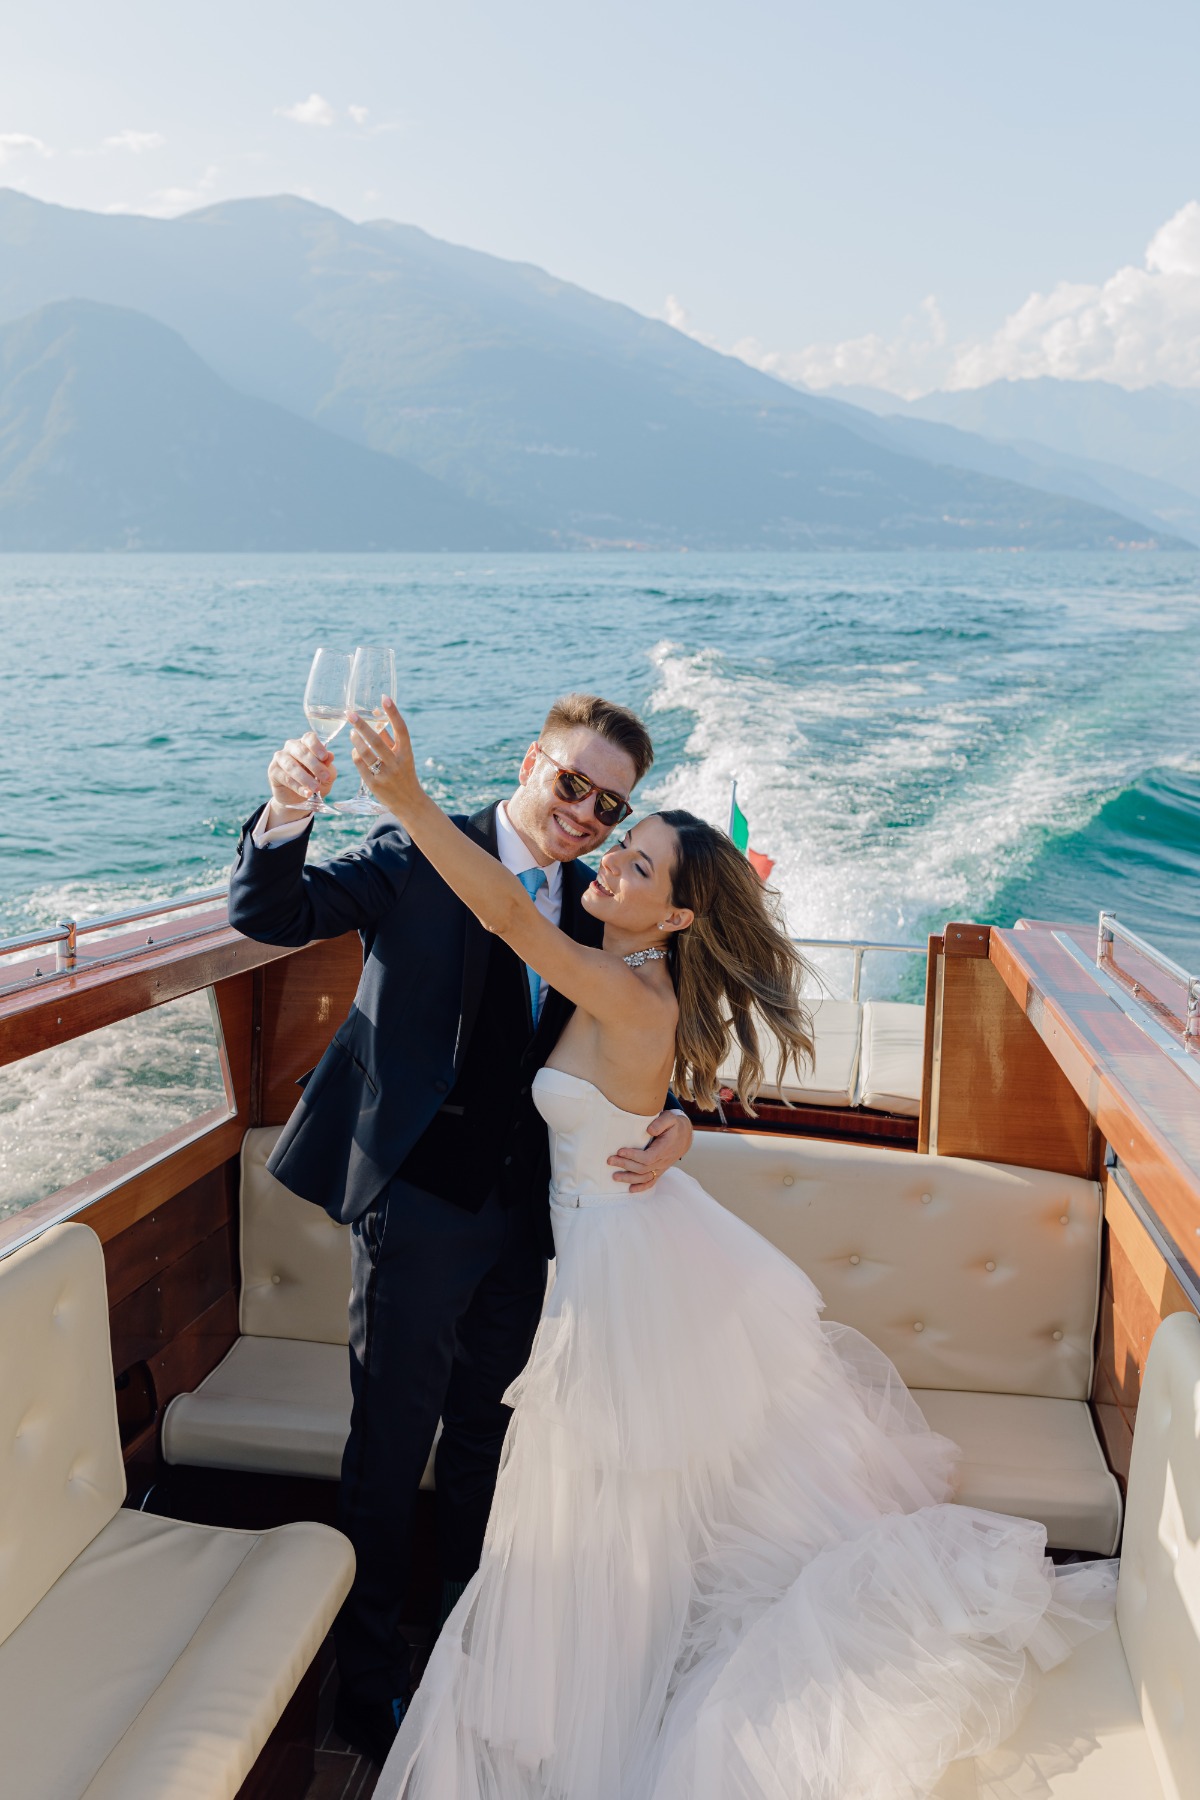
point(386, 762)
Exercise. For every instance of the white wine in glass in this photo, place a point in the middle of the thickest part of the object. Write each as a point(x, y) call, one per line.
point(326, 700)
point(372, 677)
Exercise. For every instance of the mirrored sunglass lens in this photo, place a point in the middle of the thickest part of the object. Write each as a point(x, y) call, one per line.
point(609, 807)
point(571, 786)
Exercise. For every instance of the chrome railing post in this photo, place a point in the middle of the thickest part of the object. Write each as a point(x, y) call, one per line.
point(856, 985)
point(1104, 938)
point(1192, 1029)
point(66, 949)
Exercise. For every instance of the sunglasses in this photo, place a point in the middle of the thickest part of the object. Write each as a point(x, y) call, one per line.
point(571, 786)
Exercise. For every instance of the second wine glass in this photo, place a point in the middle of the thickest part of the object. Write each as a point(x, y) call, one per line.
point(372, 678)
point(326, 698)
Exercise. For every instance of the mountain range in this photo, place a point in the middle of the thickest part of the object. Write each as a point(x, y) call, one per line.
point(1133, 448)
point(268, 374)
point(115, 435)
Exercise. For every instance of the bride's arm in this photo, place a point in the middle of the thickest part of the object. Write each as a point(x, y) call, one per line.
point(594, 980)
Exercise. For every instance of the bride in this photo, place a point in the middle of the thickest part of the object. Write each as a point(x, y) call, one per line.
point(719, 1564)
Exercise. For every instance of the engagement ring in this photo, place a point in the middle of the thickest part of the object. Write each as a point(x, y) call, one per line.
point(376, 767)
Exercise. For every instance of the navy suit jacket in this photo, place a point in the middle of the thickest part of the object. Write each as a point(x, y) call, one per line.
point(395, 1057)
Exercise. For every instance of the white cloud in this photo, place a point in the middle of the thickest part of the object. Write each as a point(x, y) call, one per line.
point(136, 141)
point(18, 143)
point(359, 114)
point(166, 202)
point(1140, 326)
point(907, 363)
point(313, 111)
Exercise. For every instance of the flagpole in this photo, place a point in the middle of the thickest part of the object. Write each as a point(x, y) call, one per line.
point(732, 805)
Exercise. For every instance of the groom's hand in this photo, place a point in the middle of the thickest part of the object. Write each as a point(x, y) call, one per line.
point(670, 1140)
point(302, 769)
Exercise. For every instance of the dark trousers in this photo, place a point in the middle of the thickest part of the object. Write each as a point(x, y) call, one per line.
point(443, 1307)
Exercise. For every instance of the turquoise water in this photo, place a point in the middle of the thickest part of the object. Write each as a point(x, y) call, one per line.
point(915, 738)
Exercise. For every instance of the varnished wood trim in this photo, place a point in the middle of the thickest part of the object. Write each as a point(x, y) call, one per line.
point(182, 1365)
point(998, 1094)
point(63, 1007)
point(161, 1309)
point(961, 938)
point(1143, 1104)
point(304, 1000)
point(1162, 1290)
point(1116, 1438)
point(846, 1124)
point(937, 947)
point(152, 1244)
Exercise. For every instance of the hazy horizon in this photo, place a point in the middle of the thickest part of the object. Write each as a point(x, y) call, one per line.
point(907, 201)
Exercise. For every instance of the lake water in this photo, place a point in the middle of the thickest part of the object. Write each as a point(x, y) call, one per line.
point(915, 737)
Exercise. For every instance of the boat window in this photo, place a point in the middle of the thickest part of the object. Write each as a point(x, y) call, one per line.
point(116, 1099)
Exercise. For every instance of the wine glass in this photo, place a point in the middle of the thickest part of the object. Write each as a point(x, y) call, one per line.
point(325, 701)
point(372, 675)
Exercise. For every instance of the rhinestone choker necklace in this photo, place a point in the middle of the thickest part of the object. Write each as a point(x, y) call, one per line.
point(636, 958)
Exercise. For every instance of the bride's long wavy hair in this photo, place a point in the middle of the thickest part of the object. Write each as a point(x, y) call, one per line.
point(737, 974)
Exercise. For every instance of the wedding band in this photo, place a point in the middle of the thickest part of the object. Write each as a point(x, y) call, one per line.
point(376, 767)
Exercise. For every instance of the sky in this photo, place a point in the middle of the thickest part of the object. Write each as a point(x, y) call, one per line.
point(857, 191)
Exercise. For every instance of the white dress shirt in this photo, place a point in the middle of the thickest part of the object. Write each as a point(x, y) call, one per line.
point(516, 856)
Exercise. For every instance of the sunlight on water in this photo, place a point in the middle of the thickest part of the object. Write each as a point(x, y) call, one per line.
point(70, 1110)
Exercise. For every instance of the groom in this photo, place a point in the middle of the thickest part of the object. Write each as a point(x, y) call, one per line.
point(417, 1128)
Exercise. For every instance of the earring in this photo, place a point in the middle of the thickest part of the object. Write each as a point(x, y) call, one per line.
point(664, 926)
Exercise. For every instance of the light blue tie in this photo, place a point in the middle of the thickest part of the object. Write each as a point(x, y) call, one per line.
point(533, 880)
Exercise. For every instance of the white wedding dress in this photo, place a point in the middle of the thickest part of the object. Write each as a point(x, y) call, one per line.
point(719, 1563)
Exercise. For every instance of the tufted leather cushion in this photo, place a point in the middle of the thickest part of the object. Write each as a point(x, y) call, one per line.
point(61, 1473)
point(159, 1662)
point(900, 1247)
point(893, 1053)
point(1034, 1458)
point(295, 1258)
point(834, 1077)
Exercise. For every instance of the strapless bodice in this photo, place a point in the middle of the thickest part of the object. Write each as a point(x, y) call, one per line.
point(585, 1130)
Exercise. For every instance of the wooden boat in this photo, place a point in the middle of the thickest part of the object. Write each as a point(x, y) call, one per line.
point(1050, 1064)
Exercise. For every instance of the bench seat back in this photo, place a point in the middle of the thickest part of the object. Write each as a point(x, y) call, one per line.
point(976, 1277)
point(970, 1276)
point(61, 1474)
point(295, 1258)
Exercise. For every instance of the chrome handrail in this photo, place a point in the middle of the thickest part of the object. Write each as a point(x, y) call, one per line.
point(1112, 930)
point(66, 934)
point(860, 947)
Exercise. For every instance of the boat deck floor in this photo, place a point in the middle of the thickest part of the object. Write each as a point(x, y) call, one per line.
point(341, 1773)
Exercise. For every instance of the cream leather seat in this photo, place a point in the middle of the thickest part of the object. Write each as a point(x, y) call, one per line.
point(893, 1053)
point(1119, 1720)
point(140, 1658)
point(279, 1403)
point(833, 1079)
point(980, 1281)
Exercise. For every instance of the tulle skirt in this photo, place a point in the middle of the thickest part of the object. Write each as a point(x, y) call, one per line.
point(719, 1564)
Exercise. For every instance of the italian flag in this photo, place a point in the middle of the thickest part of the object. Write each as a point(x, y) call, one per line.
point(739, 831)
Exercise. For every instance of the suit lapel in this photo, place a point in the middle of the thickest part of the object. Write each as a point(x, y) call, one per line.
point(482, 827)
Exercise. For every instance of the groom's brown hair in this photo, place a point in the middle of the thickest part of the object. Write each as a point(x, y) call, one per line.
point(608, 720)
